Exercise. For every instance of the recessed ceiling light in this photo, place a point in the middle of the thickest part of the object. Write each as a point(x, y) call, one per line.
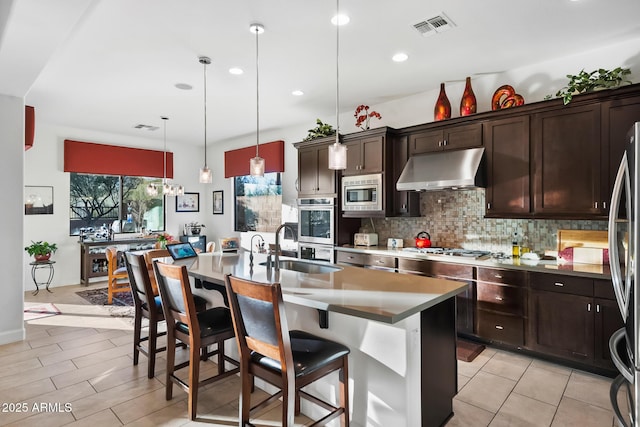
point(400, 57)
point(340, 20)
point(183, 86)
point(256, 27)
point(297, 93)
point(236, 71)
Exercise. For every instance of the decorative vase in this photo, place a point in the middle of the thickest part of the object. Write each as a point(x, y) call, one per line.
point(195, 230)
point(41, 258)
point(442, 109)
point(468, 102)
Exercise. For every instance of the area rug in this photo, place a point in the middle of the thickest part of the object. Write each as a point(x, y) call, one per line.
point(39, 311)
point(467, 350)
point(100, 296)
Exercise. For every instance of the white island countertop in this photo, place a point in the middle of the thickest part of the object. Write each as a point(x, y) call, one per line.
point(369, 294)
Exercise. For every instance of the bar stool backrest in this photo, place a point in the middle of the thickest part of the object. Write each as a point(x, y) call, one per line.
point(176, 295)
point(139, 280)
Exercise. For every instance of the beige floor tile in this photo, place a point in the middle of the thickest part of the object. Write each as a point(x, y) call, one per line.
point(508, 365)
point(469, 369)
point(23, 391)
point(543, 385)
point(45, 419)
point(76, 352)
point(465, 415)
point(72, 335)
point(23, 366)
point(223, 416)
point(114, 396)
point(120, 375)
point(11, 381)
point(104, 418)
point(589, 388)
point(171, 416)
point(90, 372)
point(101, 357)
point(98, 336)
point(14, 347)
point(523, 411)
point(18, 357)
point(145, 404)
point(462, 381)
point(543, 364)
point(476, 391)
point(572, 413)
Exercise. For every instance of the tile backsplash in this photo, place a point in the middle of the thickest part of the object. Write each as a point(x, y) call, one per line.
point(456, 219)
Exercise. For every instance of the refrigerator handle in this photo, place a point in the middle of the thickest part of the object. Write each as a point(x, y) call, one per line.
point(625, 370)
point(616, 385)
point(616, 274)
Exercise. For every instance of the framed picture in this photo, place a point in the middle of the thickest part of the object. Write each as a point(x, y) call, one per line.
point(218, 202)
point(38, 200)
point(189, 202)
point(229, 244)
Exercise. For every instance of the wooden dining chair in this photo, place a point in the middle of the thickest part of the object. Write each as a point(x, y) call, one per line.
point(149, 256)
point(147, 305)
point(117, 276)
point(197, 330)
point(286, 359)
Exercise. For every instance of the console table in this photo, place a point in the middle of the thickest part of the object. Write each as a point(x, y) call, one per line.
point(93, 262)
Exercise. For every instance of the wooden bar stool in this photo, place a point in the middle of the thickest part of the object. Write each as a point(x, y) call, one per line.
point(197, 330)
point(286, 359)
point(117, 276)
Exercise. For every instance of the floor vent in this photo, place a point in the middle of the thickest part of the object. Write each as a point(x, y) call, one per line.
point(437, 24)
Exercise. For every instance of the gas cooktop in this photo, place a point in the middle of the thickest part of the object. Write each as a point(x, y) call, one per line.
point(456, 252)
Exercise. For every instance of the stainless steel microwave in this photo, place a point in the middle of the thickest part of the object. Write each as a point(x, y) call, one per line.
point(362, 192)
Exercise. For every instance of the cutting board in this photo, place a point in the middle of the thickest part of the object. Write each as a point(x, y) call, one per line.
point(583, 246)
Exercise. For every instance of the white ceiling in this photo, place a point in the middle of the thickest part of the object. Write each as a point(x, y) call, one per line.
point(108, 65)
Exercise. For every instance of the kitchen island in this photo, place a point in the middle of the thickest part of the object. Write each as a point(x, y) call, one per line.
point(400, 329)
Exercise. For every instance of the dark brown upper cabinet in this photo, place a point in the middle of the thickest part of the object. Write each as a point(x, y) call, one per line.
point(508, 167)
point(365, 155)
point(452, 137)
point(315, 179)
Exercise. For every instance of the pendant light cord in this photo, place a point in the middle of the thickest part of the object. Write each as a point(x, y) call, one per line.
point(337, 71)
point(257, 28)
point(204, 63)
point(164, 174)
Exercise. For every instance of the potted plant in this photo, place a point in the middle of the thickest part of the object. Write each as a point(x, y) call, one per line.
point(322, 130)
point(588, 82)
point(40, 250)
point(195, 228)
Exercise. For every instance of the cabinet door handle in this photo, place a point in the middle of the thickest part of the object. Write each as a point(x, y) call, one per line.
point(499, 298)
point(444, 142)
point(559, 284)
point(380, 261)
point(588, 307)
point(597, 308)
point(596, 205)
point(499, 327)
point(498, 276)
point(604, 205)
point(489, 206)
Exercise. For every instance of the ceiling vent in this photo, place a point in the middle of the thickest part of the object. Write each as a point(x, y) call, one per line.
point(146, 127)
point(437, 24)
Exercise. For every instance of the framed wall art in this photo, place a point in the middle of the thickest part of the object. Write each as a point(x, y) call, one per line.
point(189, 202)
point(38, 200)
point(218, 202)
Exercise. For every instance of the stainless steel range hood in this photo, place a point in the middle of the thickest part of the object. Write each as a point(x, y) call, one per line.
point(443, 170)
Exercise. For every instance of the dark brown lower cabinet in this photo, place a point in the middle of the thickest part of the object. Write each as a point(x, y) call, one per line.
point(608, 320)
point(562, 325)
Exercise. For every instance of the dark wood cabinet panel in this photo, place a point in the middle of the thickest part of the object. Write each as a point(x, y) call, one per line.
point(495, 275)
point(607, 320)
point(501, 327)
point(501, 298)
point(508, 167)
point(405, 203)
point(448, 138)
point(314, 176)
point(351, 258)
point(566, 156)
point(562, 324)
point(365, 156)
point(561, 283)
point(618, 116)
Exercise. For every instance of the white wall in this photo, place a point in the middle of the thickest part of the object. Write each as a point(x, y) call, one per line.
point(533, 82)
point(11, 175)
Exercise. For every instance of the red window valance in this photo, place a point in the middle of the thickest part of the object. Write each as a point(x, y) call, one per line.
point(236, 162)
point(89, 157)
point(29, 126)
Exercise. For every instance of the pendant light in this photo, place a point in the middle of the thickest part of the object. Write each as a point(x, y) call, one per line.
point(205, 172)
point(256, 164)
point(167, 188)
point(337, 151)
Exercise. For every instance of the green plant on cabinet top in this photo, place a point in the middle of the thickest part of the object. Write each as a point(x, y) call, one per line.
point(322, 130)
point(585, 82)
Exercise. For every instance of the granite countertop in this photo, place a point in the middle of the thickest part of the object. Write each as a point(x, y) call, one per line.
point(375, 295)
point(594, 271)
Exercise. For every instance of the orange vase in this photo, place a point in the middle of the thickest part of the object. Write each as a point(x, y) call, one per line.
point(468, 102)
point(442, 109)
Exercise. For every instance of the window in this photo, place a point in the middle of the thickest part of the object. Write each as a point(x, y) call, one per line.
point(99, 203)
point(258, 202)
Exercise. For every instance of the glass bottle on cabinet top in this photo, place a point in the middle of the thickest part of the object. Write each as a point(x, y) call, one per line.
point(442, 109)
point(468, 103)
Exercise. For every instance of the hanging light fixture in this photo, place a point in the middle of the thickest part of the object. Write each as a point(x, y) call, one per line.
point(337, 151)
point(205, 172)
point(167, 188)
point(256, 164)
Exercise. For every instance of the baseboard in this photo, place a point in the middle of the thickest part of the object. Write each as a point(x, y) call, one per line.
point(15, 335)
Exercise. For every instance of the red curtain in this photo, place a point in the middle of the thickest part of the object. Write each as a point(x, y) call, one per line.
point(236, 162)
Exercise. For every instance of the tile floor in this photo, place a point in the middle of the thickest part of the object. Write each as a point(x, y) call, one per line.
point(83, 358)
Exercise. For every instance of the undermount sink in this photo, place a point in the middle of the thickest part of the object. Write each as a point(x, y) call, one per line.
point(306, 267)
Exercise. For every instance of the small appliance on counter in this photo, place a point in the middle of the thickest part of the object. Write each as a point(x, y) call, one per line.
point(394, 243)
point(365, 239)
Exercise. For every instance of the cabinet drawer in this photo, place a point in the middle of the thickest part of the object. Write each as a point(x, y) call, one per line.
point(415, 266)
point(561, 283)
point(351, 258)
point(603, 289)
point(381, 261)
point(506, 299)
point(510, 277)
point(500, 327)
point(456, 271)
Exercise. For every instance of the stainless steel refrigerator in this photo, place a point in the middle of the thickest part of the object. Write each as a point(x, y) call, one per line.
point(623, 243)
